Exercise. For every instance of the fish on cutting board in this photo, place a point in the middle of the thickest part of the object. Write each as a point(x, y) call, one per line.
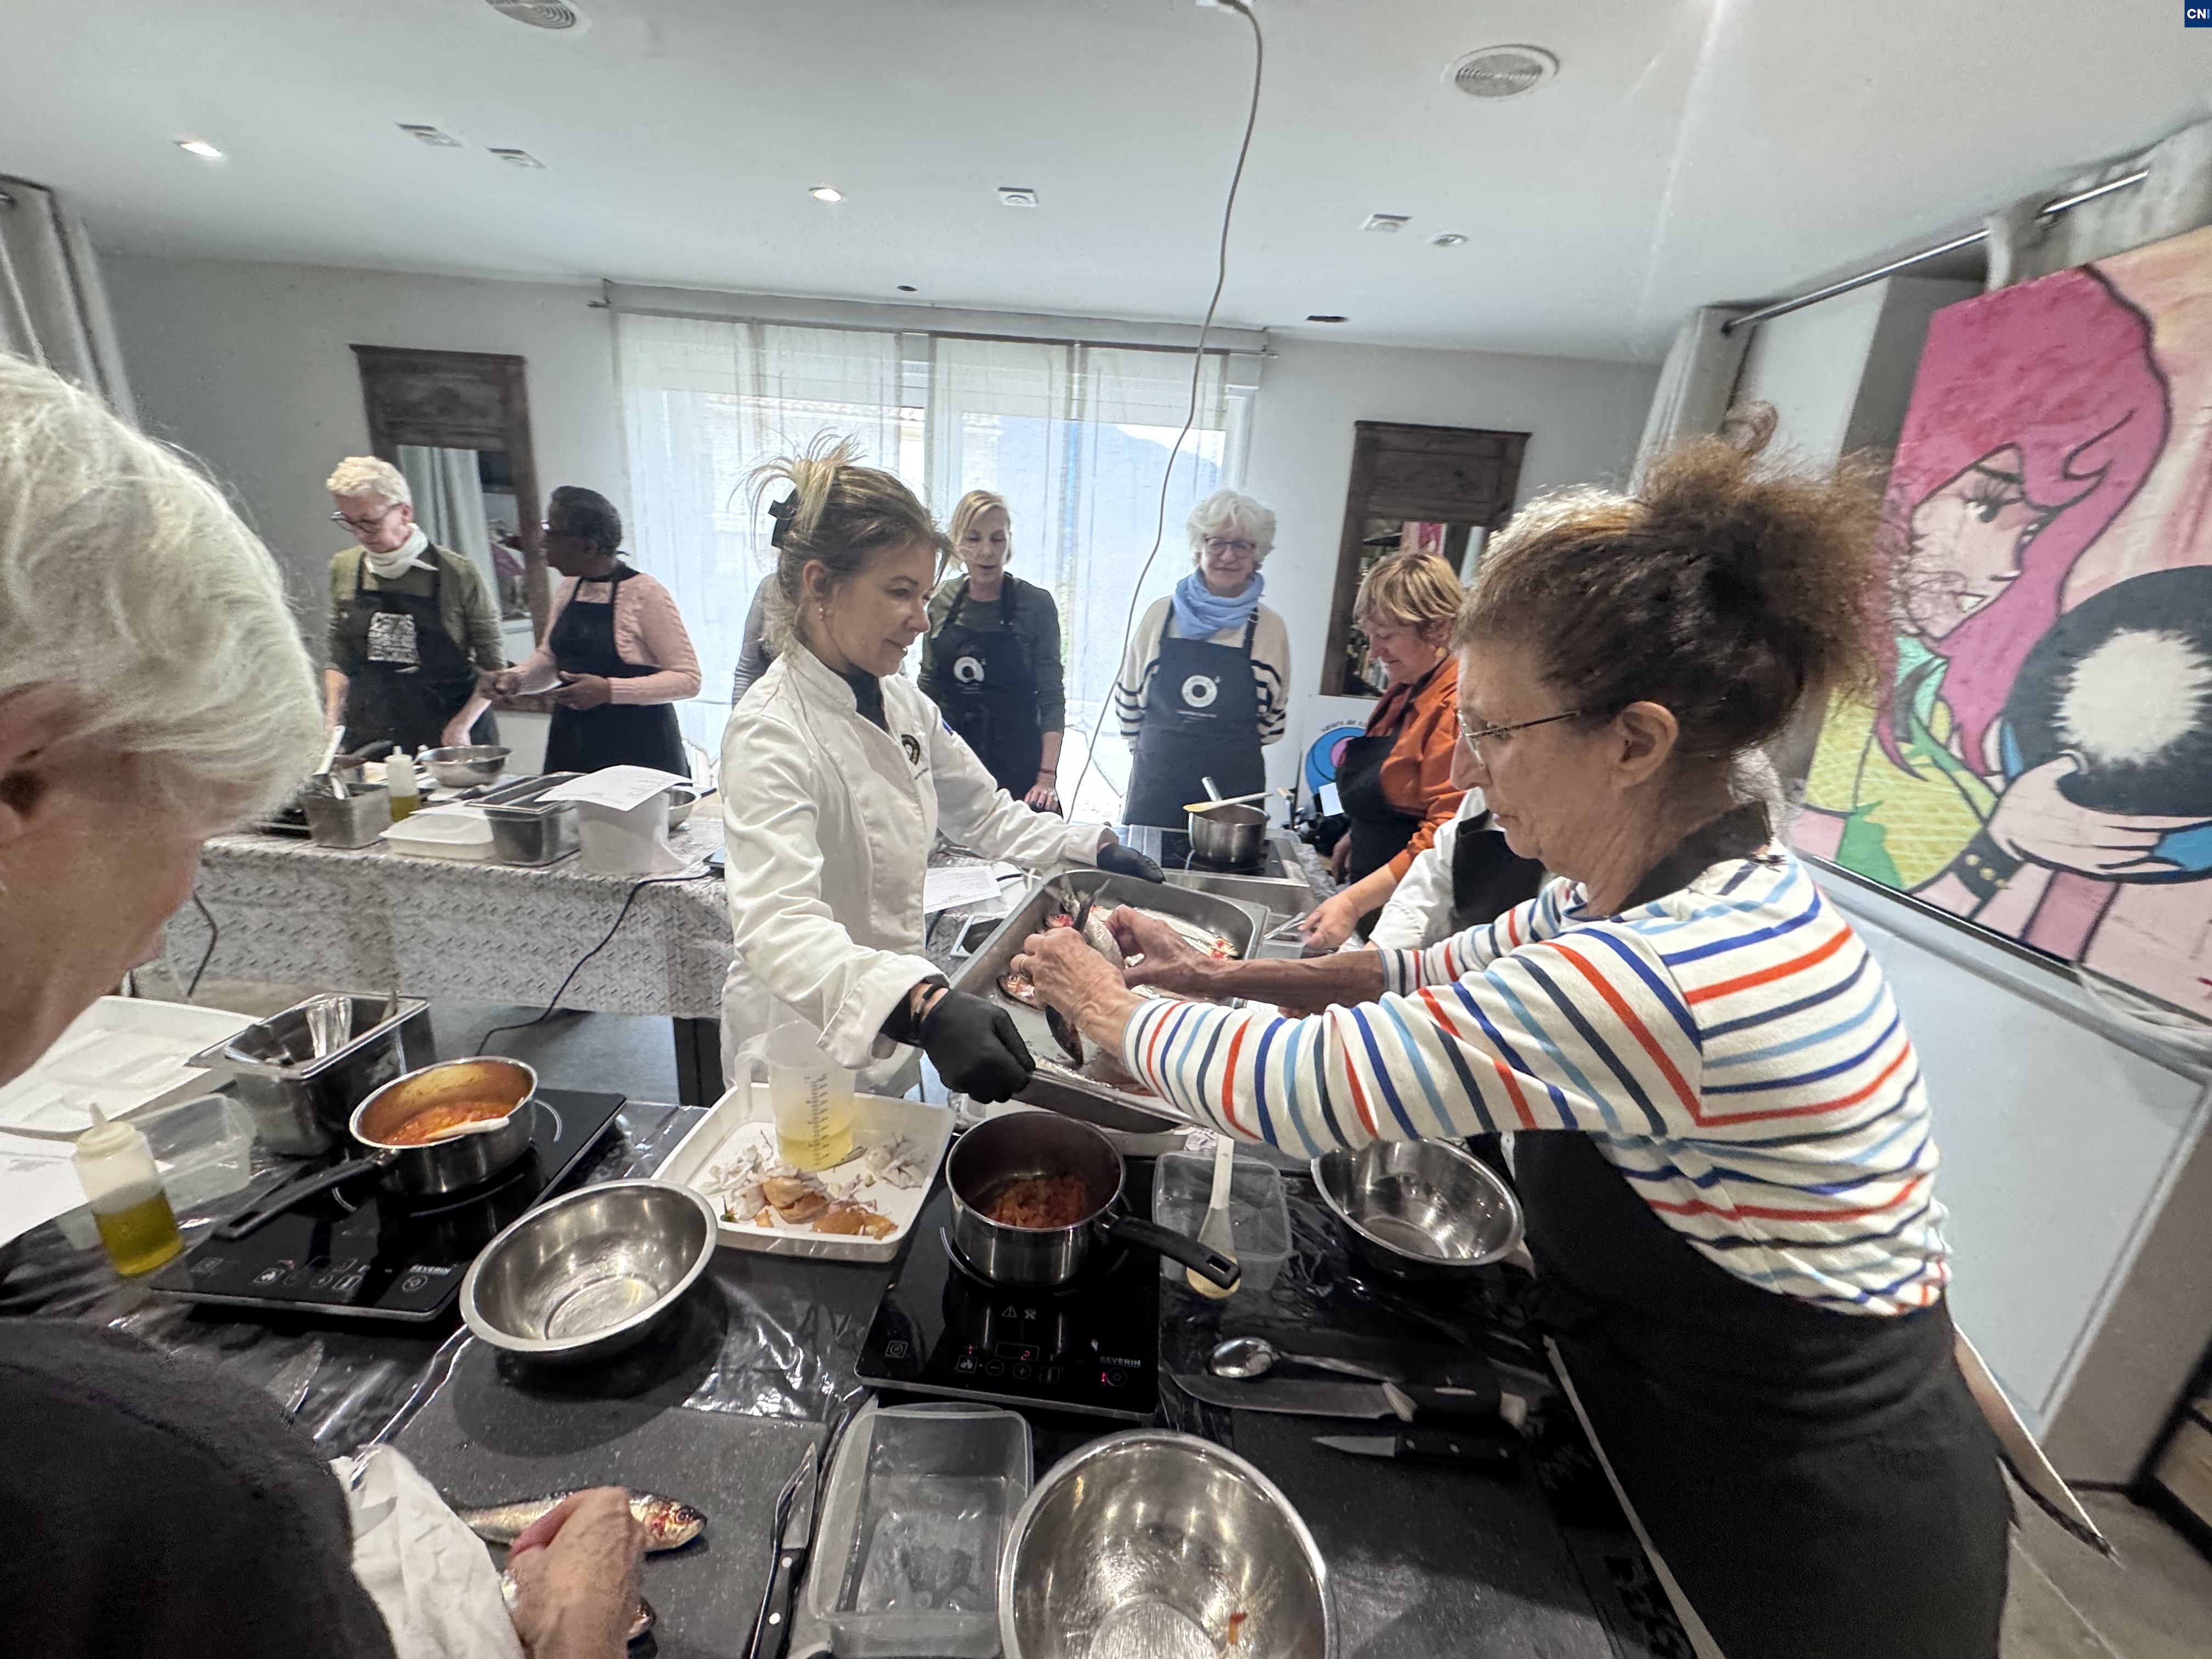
point(668, 1524)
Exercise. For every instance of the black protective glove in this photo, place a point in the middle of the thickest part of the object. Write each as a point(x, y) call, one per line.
point(975, 1048)
point(1117, 859)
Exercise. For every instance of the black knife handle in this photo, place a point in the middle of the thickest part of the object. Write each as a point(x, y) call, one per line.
point(1454, 1405)
point(1484, 1454)
point(773, 1636)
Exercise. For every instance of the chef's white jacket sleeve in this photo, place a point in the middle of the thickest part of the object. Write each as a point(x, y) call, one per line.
point(1422, 904)
point(783, 927)
point(972, 809)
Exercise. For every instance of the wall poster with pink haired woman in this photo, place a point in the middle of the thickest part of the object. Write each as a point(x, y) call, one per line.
point(2039, 759)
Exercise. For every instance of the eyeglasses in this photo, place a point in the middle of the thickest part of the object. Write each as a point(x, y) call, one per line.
point(1476, 734)
point(1230, 544)
point(368, 523)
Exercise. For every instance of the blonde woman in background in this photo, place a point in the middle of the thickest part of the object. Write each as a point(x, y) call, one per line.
point(849, 772)
point(992, 661)
point(1204, 684)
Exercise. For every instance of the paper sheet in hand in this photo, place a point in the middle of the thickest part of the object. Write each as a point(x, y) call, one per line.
point(619, 788)
point(1332, 803)
point(960, 886)
point(37, 1183)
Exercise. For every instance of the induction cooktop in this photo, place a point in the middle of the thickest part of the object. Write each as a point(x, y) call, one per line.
point(1170, 850)
point(359, 1253)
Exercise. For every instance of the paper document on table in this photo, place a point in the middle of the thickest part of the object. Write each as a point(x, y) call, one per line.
point(37, 1183)
point(618, 787)
point(971, 887)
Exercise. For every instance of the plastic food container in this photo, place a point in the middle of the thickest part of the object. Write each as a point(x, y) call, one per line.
point(202, 1148)
point(914, 1519)
point(443, 832)
point(1259, 1217)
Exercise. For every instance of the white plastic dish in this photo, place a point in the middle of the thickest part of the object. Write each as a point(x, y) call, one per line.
point(741, 1118)
point(123, 1055)
point(443, 832)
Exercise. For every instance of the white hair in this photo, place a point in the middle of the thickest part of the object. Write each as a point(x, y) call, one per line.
point(369, 476)
point(1225, 509)
point(128, 585)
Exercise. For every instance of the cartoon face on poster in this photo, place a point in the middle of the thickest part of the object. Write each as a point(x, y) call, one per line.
point(2039, 758)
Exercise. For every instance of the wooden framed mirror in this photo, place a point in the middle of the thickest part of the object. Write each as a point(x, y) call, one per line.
point(457, 424)
point(1444, 488)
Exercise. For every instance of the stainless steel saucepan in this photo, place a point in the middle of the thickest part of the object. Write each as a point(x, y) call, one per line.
point(1230, 835)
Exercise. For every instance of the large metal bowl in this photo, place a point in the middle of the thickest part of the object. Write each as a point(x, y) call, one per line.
point(1151, 1543)
point(682, 798)
point(590, 1274)
point(466, 765)
point(1420, 1209)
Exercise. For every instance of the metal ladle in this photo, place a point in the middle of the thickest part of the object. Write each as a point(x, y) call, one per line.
point(1240, 1358)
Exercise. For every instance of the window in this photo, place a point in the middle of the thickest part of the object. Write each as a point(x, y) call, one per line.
point(1075, 436)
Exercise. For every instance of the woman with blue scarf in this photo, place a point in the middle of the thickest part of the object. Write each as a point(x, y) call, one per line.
point(1204, 684)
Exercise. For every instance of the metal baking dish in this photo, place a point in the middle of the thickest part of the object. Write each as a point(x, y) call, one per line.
point(1056, 1087)
point(301, 1100)
point(525, 830)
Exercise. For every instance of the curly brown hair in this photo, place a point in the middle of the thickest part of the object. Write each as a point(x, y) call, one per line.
point(1727, 592)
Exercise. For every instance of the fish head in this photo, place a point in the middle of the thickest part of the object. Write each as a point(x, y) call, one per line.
point(669, 1524)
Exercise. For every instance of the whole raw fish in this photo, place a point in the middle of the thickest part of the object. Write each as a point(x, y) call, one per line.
point(668, 1524)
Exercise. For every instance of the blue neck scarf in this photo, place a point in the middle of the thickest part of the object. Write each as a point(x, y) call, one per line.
point(1200, 613)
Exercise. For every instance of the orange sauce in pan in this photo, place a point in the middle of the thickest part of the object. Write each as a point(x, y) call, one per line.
point(436, 1122)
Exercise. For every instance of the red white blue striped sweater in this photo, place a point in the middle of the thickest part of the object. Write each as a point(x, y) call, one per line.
point(1732, 1045)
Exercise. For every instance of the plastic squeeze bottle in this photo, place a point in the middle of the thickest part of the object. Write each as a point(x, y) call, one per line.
point(122, 1184)
point(400, 784)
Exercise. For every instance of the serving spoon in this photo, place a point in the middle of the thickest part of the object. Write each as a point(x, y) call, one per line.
point(1241, 1358)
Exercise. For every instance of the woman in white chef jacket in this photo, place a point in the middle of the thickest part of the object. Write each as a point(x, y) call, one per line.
point(836, 773)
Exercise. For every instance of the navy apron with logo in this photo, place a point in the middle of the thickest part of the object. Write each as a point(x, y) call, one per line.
point(614, 733)
point(1821, 1484)
point(1201, 719)
point(406, 676)
point(984, 685)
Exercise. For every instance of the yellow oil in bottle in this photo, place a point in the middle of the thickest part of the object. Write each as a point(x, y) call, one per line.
point(140, 1236)
point(403, 806)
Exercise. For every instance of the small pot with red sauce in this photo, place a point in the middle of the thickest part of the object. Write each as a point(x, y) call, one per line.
point(1035, 1195)
point(439, 1130)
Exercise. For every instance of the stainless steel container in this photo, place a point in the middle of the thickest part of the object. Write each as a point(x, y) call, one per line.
point(300, 1089)
point(356, 819)
point(466, 765)
point(526, 830)
point(1230, 836)
point(1420, 1210)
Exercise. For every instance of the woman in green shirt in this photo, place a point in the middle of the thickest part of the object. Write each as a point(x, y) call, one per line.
point(992, 661)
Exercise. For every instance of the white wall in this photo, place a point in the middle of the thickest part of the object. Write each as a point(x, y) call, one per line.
point(248, 367)
point(1583, 419)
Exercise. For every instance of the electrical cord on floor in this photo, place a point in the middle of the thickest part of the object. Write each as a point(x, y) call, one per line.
point(1197, 373)
point(620, 915)
point(215, 934)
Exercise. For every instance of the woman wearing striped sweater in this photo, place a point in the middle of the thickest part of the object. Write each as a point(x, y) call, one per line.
point(1724, 1148)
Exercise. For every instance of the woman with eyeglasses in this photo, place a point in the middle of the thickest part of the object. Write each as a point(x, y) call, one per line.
point(1722, 1139)
point(1204, 683)
point(412, 625)
point(616, 655)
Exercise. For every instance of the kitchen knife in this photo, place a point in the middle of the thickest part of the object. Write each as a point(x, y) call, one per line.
point(1299, 1398)
point(772, 1633)
point(1480, 1453)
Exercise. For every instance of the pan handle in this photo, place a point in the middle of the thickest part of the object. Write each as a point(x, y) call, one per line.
point(279, 1199)
point(1221, 1269)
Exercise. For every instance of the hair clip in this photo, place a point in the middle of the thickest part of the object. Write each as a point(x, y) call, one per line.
point(783, 512)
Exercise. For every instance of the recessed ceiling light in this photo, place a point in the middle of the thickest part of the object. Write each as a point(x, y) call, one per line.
point(422, 133)
point(1324, 317)
point(827, 193)
point(518, 158)
point(1450, 239)
point(908, 287)
point(1496, 72)
point(1391, 222)
point(200, 148)
point(1017, 195)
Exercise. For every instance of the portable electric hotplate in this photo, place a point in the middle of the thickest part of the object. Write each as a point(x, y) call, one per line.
point(1091, 1347)
point(1170, 850)
point(360, 1251)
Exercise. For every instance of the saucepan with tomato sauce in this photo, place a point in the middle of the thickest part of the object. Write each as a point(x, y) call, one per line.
point(442, 1129)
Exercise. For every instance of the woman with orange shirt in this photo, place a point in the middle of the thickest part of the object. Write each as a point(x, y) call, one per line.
point(1396, 783)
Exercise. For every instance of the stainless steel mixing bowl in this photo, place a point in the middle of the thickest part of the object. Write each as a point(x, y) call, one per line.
point(590, 1274)
point(466, 765)
point(1420, 1209)
point(1150, 1545)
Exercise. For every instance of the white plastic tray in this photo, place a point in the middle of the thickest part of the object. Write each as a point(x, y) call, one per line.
point(122, 1054)
point(443, 832)
point(876, 1120)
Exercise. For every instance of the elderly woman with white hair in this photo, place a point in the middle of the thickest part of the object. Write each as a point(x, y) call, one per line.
point(411, 624)
point(1204, 683)
point(154, 691)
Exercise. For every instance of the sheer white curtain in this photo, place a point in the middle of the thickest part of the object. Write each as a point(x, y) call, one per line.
point(449, 504)
point(53, 309)
point(703, 403)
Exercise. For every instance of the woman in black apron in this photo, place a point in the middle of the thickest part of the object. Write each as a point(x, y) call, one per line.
point(592, 728)
point(992, 661)
point(406, 676)
point(1201, 719)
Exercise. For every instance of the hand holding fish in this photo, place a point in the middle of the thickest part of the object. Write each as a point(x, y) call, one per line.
point(1071, 977)
point(1168, 960)
point(578, 1570)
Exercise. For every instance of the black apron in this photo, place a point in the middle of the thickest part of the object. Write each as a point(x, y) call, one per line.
point(1821, 1484)
point(1201, 719)
point(614, 733)
point(982, 682)
point(406, 675)
point(1488, 877)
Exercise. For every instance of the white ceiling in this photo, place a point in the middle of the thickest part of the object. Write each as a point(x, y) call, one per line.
point(1691, 150)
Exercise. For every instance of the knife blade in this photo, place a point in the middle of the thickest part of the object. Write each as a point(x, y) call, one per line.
point(772, 1632)
point(1481, 1453)
point(1299, 1398)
